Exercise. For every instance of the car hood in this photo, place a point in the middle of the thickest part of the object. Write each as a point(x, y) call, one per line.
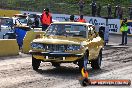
point(60, 40)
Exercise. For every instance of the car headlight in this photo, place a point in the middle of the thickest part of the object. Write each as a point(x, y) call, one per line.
point(37, 46)
point(73, 47)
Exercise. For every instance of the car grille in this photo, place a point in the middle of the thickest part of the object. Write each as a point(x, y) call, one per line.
point(53, 47)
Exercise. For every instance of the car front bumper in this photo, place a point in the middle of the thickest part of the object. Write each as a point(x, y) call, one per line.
point(56, 56)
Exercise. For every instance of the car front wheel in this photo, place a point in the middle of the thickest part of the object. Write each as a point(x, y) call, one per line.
point(35, 63)
point(96, 64)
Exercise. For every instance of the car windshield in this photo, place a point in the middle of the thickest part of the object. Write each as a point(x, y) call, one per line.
point(74, 30)
point(23, 20)
point(7, 22)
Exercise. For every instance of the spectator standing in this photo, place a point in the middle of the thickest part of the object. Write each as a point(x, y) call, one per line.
point(109, 10)
point(116, 11)
point(130, 13)
point(29, 21)
point(46, 19)
point(72, 18)
point(120, 13)
point(124, 30)
point(81, 6)
point(36, 21)
point(99, 10)
point(81, 19)
point(94, 8)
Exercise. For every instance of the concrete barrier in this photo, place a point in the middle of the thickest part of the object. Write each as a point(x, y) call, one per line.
point(8, 47)
point(30, 35)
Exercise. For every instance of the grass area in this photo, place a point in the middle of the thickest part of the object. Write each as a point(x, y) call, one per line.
point(63, 6)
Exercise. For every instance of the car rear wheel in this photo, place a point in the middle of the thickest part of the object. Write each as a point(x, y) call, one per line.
point(83, 62)
point(35, 63)
point(96, 64)
point(55, 64)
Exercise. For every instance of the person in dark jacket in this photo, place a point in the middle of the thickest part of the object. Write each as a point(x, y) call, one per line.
point(120, 13)
point(72, 18)
point(81, 6)
point(36, 21)
point(94, 8)
point(109, 10)
point(99, 10)
point(130, 13)
point(116, 11)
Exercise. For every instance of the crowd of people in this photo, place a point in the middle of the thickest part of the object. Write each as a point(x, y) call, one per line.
point(97, 8)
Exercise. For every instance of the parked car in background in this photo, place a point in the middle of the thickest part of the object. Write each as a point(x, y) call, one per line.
point(68, 42)
point(21, 19)
point(6, 23)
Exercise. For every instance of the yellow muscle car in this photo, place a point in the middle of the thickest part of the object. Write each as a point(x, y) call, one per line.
point(65, 42)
